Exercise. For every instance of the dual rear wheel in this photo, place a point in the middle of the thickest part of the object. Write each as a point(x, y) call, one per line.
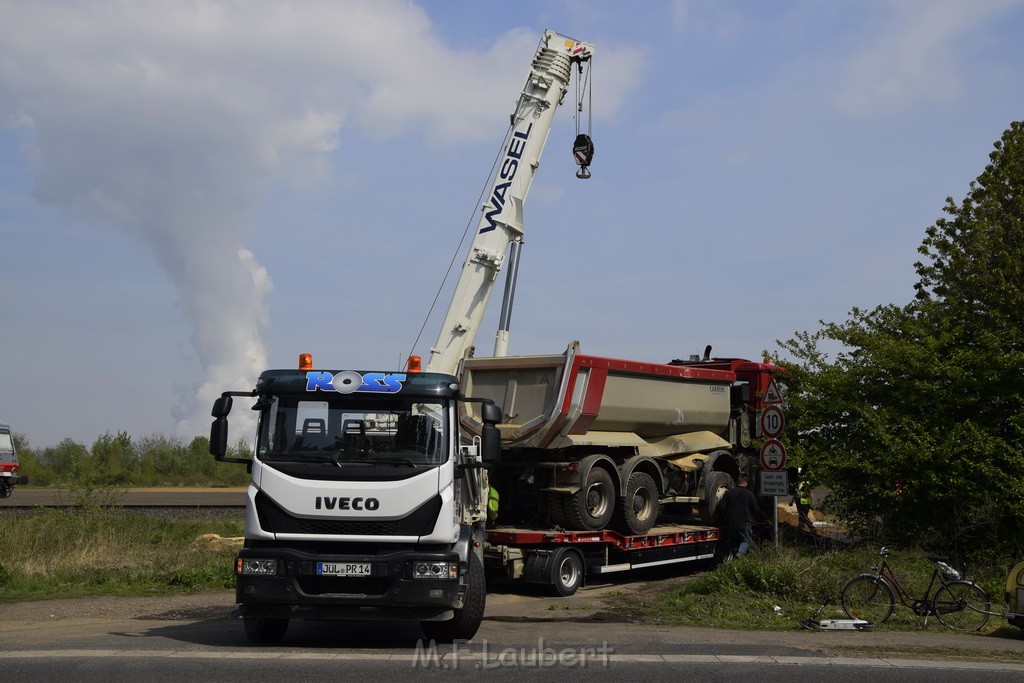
point(596, 506)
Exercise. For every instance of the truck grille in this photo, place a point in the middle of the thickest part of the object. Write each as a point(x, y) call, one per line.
point(276, 520)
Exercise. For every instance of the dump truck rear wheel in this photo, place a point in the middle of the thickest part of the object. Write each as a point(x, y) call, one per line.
point(718, 483)
point(593, 506)
point(637, 510)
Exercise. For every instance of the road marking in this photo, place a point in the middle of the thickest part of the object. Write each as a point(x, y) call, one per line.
point(491, 662)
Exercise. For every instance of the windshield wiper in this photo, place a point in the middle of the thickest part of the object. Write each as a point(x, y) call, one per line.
point(394, 462)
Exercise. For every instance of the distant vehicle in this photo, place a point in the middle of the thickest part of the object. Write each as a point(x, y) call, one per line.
point(8, 463)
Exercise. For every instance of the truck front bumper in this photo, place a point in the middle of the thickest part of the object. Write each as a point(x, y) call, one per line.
point(296, 590)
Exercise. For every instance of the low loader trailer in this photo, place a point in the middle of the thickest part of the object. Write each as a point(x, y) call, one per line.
point(562, 560)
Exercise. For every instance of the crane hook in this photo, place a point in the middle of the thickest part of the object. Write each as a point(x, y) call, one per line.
point(583, 151)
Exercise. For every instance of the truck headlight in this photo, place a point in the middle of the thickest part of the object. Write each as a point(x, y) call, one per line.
point(435, 570)
point(248, 566)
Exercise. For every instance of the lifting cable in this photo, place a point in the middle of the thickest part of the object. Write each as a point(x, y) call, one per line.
point(469, 224)
point(583, 146)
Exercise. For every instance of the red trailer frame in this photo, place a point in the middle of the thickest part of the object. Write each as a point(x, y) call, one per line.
point(562, 559)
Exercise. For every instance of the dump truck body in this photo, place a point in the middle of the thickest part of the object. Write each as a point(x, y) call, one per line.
point(559, 401)
point(591, 441)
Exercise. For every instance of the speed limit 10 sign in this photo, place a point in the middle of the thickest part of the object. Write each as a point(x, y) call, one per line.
point(772, 421)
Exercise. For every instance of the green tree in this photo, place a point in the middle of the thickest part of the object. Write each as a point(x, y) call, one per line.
point(917, 422)
point(114, 460)
point(68, 460)
point(29, 462)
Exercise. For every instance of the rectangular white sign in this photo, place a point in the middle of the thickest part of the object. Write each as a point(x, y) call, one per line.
point(774, 483)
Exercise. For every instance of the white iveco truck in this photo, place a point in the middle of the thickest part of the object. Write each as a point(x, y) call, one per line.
point(367, 500)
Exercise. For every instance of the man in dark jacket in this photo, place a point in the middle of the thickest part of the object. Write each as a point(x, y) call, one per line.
point(734, 512)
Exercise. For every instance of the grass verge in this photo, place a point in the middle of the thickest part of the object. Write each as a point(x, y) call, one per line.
point(104, 551)
point(775, 587)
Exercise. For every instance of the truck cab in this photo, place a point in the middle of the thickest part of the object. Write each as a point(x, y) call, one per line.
point(9, 466)
point(363, 501)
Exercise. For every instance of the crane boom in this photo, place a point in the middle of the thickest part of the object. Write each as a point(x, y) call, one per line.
point(501, 222)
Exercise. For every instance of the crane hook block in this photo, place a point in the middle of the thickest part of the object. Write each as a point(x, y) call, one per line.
point(583, 151)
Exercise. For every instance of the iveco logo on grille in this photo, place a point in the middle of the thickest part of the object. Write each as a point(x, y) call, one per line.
point(344, 503)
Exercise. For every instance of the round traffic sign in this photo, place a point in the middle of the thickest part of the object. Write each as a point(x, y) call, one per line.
point(773, 455)
point(772, 421)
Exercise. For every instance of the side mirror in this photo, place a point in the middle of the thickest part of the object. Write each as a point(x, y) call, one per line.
point(221, 407)
point(490, 435)
point(219, 436)
point(490, 413)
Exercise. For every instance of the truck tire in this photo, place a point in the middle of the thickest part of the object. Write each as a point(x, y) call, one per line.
point(637, 509)
point(264, 630)
point(567, 572)
point(467, 619)
point(592, 507)
point(717, 484)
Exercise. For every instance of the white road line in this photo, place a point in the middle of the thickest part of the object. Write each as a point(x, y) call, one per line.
point(513, 658)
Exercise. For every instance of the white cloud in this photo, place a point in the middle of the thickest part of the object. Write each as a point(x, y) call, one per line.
point(913, 55)
point(168, 122)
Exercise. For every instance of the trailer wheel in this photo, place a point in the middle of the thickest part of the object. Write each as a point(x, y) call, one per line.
point(264, 630)
point(467, 619)
point(592, 507)
point(567, 572)
point(637, 510)
point(718, 483)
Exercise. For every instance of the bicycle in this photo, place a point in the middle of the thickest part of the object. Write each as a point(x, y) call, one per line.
point(960, 604)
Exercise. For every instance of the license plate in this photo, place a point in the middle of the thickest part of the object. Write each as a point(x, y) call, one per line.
point(343, 568)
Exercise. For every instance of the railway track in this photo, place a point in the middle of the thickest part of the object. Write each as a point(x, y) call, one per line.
point(164, 502)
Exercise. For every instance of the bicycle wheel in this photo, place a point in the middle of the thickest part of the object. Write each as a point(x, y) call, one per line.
point(869, 598)
point(962, 606)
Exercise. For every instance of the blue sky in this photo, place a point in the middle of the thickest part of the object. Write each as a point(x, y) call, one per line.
point(193, 191)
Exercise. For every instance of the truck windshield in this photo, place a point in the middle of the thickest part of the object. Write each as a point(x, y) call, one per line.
point(400, 432)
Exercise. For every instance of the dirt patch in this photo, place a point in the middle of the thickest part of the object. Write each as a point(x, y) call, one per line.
point(22, 616)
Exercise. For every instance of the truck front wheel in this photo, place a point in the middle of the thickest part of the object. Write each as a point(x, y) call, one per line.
point(467, 620)
point(264, 630)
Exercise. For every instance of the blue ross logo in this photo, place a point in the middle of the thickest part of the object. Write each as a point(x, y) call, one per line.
point(349, 382)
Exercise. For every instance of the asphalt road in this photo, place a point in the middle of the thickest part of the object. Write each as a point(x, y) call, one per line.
point(199, 637)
